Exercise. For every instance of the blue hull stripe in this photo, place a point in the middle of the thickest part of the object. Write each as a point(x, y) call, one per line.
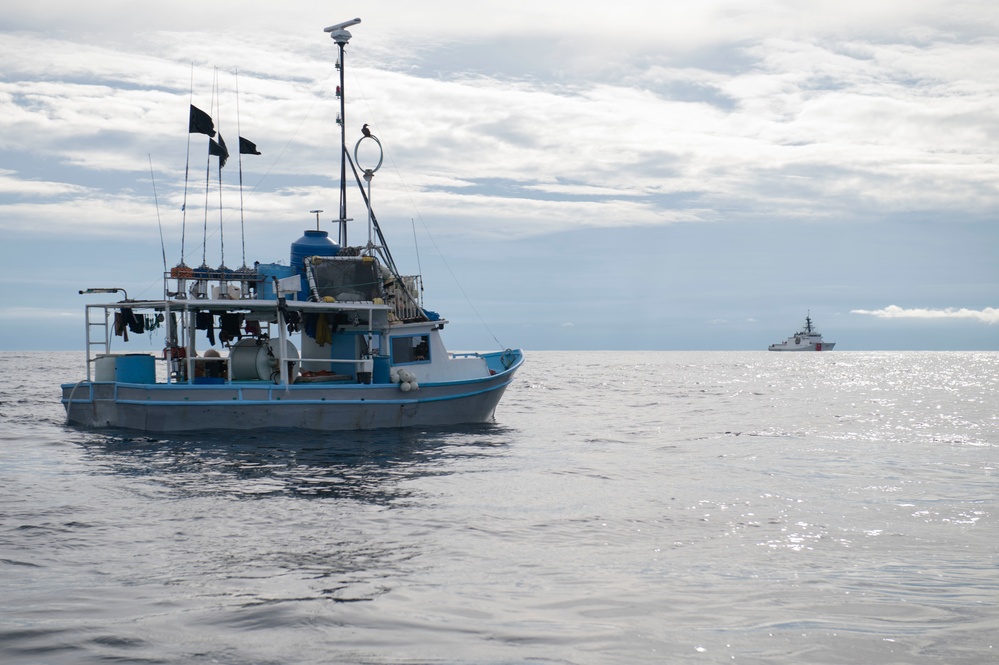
point(290, 402)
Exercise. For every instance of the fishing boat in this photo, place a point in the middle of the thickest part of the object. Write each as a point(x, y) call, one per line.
point(806, 339)
point(337, 340)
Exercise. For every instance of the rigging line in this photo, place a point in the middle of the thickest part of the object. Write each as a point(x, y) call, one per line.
point(187, 164)
point(416, 244)
point(252, 190)
point(239, 152)
point(204, 240)
point(208, 179)
point(383, 248)
point(409, 195)
point(221, 156)
point(221, 235)
point(374, 218)
point(137, 296)
point(159, 222)
point(287, 144)
point(458, 283)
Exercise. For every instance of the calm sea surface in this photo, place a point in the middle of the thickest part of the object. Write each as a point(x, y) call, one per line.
point(668, 507)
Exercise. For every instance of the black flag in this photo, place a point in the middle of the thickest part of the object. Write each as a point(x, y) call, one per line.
point(201, 122)
point(247, 147)
point(219, 150)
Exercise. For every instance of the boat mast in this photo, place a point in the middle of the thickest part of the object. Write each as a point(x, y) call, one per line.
point(340, 35)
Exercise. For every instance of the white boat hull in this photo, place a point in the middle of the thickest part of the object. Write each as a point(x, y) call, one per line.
point(817, 346)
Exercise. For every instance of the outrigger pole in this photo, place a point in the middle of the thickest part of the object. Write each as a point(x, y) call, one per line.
point(340, 35)
point(187, 165)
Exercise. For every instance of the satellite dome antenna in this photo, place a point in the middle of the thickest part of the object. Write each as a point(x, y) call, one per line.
point(341, 36)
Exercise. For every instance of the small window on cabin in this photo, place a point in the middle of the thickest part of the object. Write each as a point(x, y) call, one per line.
point(410, 349)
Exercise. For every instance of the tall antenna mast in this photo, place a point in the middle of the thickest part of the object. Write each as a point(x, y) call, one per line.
point(340, 35)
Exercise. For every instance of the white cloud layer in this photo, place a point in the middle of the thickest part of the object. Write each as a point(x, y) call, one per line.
point(794, 112)
point(988, 315)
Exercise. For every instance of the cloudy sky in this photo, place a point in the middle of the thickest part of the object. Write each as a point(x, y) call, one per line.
point(566, 175)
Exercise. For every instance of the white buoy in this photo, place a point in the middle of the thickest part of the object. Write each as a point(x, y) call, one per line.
point(414, 385)
point(405, 386)
point(394, 377)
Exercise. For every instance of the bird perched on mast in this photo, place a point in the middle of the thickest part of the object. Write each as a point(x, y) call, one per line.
point(365, 130)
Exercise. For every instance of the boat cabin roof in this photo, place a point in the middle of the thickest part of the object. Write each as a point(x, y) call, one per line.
point(251, 305)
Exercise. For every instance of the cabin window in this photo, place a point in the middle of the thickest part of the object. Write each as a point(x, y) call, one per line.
point(410, 349)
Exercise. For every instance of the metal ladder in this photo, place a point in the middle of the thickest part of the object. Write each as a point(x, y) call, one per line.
point(105, 338)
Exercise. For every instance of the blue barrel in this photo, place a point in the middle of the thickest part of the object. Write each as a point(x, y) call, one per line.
point(268, 272)
point(313, 243)
point(135, 368)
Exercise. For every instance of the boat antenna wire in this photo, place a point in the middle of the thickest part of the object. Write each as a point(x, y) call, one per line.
point(159, 222)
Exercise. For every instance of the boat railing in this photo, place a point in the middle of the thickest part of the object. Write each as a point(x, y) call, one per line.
point(198, 368)
point(215, 283)
point(407, 297)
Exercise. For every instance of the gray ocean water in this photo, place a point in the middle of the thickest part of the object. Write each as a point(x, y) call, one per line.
point(667, 507)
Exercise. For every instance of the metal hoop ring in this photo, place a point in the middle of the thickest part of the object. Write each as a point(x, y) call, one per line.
point(381, 153)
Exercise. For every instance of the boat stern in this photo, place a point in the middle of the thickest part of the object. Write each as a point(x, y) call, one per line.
point(90, 403)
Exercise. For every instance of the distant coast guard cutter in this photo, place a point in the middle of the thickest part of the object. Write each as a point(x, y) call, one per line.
point(806, 339)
